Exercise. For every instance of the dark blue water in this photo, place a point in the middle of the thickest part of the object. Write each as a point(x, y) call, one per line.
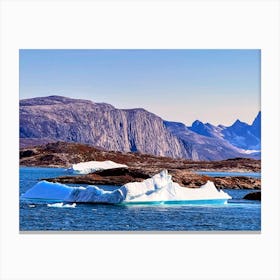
point(229, 174)
point(237, 215)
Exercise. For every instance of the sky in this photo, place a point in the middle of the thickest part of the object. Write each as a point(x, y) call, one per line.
point(215, 86)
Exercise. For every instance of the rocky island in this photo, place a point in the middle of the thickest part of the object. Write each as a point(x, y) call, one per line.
point(140, 166)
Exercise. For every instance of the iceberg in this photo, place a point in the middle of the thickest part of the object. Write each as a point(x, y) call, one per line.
point(93, 166)
point(160, 189)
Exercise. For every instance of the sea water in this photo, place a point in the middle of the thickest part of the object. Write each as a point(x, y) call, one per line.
point(40, 215)
point(230, 174)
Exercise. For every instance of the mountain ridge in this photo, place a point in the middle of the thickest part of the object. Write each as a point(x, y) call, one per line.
point(125, 130)
point(239, 134)
point(99, 124)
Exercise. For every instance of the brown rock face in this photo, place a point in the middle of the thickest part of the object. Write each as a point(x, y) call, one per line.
point(239, 182)
point(121, 176)
point(67, 154)
point(114, 176)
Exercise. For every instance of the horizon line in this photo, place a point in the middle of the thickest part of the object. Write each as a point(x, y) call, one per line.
point(139, 108)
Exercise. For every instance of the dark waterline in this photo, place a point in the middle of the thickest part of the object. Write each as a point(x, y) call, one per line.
point(237, 215)
point(230, 174)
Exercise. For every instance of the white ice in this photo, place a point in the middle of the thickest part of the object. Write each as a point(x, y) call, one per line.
point(93, 194)
point(159, 188)
point(61, 205)
point(47, 190)
point(93, 166)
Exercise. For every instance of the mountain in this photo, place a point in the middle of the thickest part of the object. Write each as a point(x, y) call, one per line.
point(99, 124)
point(203, 147)
point(242, 135)
point(239, 134)
point(256, 128)
point(131, 130)
point(206, 129)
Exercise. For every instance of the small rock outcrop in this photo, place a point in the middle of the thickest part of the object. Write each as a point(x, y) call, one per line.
point(253, 196)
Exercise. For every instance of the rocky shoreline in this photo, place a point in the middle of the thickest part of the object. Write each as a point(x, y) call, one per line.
point(121, 176)
point(140, 167)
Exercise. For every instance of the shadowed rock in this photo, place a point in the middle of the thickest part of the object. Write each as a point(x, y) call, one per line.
point(114, 176)
point(253, 196)
point(121, 176)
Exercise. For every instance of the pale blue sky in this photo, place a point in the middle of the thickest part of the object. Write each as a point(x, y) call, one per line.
point(216, 86)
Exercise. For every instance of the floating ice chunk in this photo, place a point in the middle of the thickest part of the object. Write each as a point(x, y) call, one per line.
point(61, 205)
point(63, 193)
point(48, 190)
point(158, 189)
point(93, 166)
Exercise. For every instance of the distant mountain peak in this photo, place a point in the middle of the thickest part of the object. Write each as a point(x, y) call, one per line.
point(197, 123)
point(239, 123)
point(257, 119)
point(202, 129)
point(243, 135)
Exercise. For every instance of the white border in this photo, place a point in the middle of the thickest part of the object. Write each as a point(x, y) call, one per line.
point(155, 24)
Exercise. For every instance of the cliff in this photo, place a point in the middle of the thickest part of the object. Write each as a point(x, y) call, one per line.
point(99, 124)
